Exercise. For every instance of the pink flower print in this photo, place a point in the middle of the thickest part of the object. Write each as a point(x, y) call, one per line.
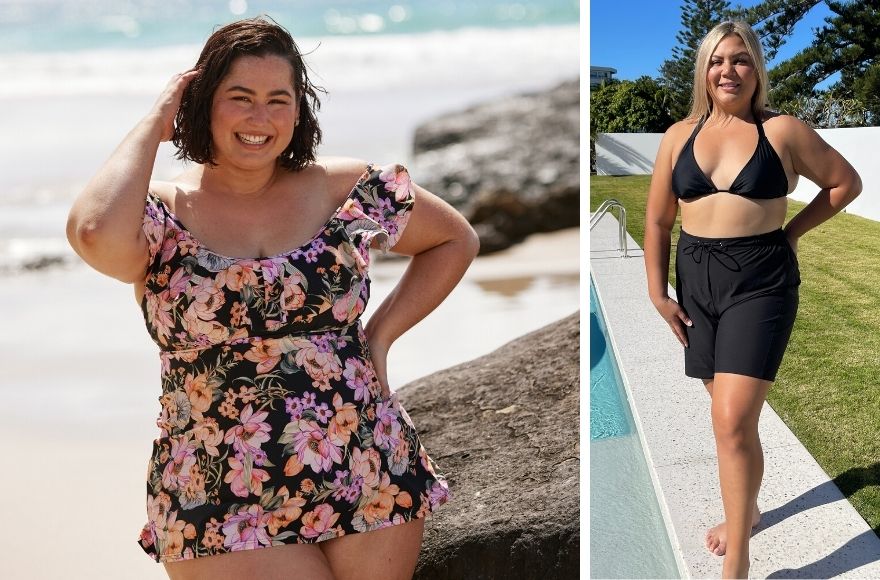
point(360, 377)
point(177, 471)
point(157, 510)
point(207, 299)
point(187, 246)
point(309, 399)
point(349, 306)
point(396, 179)
point(323, 413)
point(250, 433)
point(159, 314)
point(294, 407)
point(240, 484)
point(318, 245)
point(322, 367)
point(366, 464)
point(439, 494)
point(387, 430)
point(272, 269)
point(246, 530)
point(178, 284)
point(311, 255)
point(238, 276)
point(318, 521)
point(267, 353)
point(293, 297)
point(313, 447)
point(169, 247)
point(351, 210)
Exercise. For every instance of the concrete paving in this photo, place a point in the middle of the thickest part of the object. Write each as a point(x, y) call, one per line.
point(808, 528)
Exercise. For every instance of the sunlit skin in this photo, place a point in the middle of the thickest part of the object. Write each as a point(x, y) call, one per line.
point(721, 149)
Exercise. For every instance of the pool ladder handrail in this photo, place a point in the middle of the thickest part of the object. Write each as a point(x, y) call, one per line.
point(604, 208)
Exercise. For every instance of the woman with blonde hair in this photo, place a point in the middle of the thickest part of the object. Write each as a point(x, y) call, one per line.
point(728, 167)
point(282, 452)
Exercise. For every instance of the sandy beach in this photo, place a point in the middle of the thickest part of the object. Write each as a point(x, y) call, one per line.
point(79, 376)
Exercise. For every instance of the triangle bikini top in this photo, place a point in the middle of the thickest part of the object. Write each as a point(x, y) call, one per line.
point(763, 177)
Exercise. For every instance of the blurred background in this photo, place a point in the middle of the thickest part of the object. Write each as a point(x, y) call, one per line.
point(79, 377)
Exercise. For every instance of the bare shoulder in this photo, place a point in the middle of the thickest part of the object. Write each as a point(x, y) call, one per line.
point(340, 174)
point(677, 133)
point(784, 124)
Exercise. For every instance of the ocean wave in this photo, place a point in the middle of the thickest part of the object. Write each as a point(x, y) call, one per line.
point(374, 63)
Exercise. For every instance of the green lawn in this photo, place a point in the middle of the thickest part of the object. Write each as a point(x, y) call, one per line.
point(828, 389)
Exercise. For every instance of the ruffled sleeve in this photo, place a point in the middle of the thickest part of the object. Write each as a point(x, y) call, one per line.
point(154, 225)
point(381, 206)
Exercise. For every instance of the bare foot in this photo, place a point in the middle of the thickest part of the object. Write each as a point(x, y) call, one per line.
point(716, 538)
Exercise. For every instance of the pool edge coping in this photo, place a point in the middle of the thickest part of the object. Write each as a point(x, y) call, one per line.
point(674, 465)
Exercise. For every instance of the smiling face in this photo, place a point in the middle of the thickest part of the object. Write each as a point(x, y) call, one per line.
point(254, 112)
point(731, 80)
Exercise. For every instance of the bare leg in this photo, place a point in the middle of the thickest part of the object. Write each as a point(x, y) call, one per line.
point(289, 562)
point(386, 554)
point(716, 537)
point(736, 408)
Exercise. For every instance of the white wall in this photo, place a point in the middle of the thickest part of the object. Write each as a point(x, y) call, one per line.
point(634, 154)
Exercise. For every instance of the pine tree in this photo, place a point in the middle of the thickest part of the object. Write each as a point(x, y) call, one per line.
point(698, 17)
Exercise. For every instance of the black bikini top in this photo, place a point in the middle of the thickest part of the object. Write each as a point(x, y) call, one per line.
point(763, 177)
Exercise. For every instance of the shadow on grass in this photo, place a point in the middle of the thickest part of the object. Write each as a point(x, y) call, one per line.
point(858, 551)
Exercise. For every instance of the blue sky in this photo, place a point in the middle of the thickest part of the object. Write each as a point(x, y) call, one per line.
point(636, 36)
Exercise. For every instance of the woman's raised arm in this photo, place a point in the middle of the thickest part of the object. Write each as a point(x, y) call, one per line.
point(105, 223)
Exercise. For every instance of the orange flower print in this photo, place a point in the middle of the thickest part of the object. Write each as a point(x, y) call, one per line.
point(351, 210)
point(159, 315)
point(288, 512)
point(381, 503)
point(293, 297)
point(239, 276)
point(318, 521)
point(366, 464)
point(267, 353)
point(404, 500)
point(207, 299)
point(321, 366)
point(208, 433)
point(349, 306)
point(200, 392)
point(239, 315)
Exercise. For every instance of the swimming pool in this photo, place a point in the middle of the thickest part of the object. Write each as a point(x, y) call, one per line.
point(628, 537)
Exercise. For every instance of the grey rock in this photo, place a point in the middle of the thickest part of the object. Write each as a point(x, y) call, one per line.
point(503, 429)
point(512, 166)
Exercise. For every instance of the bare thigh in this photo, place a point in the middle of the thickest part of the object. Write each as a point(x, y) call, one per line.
point(288, 562)
point(386, 554)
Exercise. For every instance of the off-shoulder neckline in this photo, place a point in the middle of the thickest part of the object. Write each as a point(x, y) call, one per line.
point(286, 254)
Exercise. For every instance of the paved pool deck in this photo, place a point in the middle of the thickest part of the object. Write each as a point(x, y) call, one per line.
point(808, 528)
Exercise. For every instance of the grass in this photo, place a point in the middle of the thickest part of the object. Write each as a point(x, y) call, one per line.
point(828, 388)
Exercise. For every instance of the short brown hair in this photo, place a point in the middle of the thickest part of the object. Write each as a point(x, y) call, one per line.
point(260, 36)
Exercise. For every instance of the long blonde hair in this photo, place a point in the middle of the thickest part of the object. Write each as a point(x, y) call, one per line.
point(702, 104)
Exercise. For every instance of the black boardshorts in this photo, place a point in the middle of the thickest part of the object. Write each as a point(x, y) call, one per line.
point(742, 296)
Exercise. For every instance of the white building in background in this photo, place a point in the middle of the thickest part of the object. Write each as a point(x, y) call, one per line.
point(600, 74)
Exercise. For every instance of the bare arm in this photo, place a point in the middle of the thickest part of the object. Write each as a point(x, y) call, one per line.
point(659, 219)
point(443, 245)
point(816, 160)
point(104, 224)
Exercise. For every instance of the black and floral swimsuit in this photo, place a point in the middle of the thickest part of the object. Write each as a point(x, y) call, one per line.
point(273, 427)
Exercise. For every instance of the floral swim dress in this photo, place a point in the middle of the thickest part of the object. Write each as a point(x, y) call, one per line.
point(273, 427)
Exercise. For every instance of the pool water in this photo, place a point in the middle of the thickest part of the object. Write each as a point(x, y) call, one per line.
point(628, 537)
